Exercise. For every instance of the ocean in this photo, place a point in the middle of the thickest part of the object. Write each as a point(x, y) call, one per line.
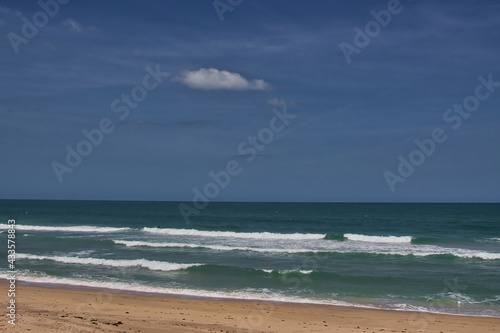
point(441, 258)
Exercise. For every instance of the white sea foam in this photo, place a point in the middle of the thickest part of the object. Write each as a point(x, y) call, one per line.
point(83, 253)
point(242, 294)
point(231, 234)
point(457, 297)
point(211, 247)
point(378, 239)
point(287, 271)
point(463, 253)
point(81, 228)
point(436, 251)
point(149, 264)
point(402, 249)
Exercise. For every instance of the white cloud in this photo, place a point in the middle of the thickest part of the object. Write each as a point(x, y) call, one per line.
point(276, 102)
point(72, 25)
point(214, 79)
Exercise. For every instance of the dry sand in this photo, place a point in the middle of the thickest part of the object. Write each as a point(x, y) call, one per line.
point(41, 310)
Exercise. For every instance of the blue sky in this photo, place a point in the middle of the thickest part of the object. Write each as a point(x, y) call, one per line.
point(352, 120)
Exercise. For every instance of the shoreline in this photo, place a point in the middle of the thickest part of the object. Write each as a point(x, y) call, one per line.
point(117, 291)
point(58, 308)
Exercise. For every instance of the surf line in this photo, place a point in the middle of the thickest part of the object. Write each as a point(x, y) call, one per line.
point(250, 147)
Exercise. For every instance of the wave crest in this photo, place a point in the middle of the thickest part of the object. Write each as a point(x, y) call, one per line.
point(231, 234)
point(207, 246)
point(81, 228)
point(149, 264)
point(378, 239)
point(346, 248)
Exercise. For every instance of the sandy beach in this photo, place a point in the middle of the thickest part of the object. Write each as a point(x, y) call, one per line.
point(41, 309)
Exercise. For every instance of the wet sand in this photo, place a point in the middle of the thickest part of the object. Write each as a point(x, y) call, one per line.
point(41, 309)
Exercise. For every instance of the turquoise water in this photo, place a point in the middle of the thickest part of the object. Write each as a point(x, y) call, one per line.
point(425, 257)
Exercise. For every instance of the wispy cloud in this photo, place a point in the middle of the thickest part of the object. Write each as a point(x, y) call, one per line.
point(72, 25)
point(75, 26)
point(10, 12)
point(276, 102)
point(214, 79)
